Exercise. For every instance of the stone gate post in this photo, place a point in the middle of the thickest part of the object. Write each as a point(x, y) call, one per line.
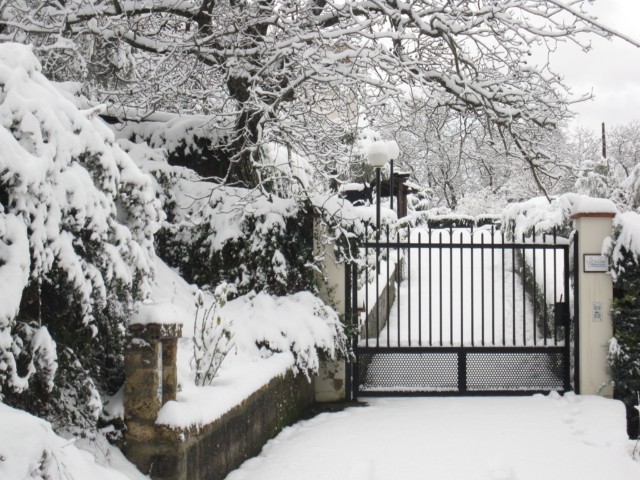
point(593, 219)
point(150, 376)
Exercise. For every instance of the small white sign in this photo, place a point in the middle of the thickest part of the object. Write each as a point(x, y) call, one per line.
point(597, 312)
point(594, 262)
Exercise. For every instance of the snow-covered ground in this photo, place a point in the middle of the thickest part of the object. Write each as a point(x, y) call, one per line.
point(490, 438)
point(29, 449)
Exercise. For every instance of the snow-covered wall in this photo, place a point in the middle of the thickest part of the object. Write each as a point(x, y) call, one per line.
point(211, 451)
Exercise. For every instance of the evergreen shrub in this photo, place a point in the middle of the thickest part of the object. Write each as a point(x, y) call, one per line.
point(624, 352)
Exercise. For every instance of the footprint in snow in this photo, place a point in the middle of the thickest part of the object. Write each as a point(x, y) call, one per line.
point(504, 473)
point(361, 470)
point(579, 431)
point(499, 469)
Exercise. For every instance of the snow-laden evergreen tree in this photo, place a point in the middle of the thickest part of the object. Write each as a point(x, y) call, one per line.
point(77, 225)
point(624, 351)
point(595, 178)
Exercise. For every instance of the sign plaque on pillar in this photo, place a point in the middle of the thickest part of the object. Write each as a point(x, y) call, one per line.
point(595, 263)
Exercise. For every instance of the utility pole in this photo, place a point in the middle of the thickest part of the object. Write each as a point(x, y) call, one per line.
point(604, 142)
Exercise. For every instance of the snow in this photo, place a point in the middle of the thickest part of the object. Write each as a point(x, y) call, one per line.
point(298, 323)
point(162, 313)
point(626, 227)
point(352, 187)
point(538, 213)
point(237, 380)
point(454, 438)
point(30, 449)
point(14, 268)
point(380, 152)
point(227, 210)
point(367, 296)
point(287, 164)
point(583, 204)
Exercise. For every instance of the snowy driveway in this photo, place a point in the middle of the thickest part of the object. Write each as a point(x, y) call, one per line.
point(519, 438)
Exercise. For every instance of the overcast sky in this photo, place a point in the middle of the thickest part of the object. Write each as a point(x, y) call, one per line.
point(611, 70)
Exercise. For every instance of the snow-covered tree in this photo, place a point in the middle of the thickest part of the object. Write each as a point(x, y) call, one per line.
point(77, 223)
point(595, 178)
point(614, 176)
point(303, 72)
point(469, 164)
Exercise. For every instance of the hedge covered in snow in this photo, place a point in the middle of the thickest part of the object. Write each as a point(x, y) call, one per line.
point(77, 225)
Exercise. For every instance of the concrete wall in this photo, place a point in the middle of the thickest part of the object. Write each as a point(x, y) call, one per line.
point(212, 451)
point(379, 315)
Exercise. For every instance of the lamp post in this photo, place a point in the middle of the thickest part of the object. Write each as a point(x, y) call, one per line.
point(378, 154)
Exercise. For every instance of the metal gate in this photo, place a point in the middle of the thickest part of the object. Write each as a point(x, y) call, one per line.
point(461, 312)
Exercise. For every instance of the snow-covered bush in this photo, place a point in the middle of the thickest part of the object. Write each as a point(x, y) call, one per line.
point(213, 233)
point(624, 352)
point(300, 323)
point(544, 215)
point(250, 241)
point(191, 141)
point(627, 194)
point(77, 225)
point(212, 337)
point(241, 237)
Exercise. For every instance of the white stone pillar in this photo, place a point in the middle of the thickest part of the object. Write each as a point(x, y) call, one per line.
point(330, 383)
point(593, 220)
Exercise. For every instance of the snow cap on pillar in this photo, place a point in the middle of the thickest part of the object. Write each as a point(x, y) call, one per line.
point(585, 206)
point(159, 321)
point(163, 313)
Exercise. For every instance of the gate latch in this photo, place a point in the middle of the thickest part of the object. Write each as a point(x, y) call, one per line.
point(561, 313)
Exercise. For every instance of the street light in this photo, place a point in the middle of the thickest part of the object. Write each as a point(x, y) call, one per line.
point(378, 154)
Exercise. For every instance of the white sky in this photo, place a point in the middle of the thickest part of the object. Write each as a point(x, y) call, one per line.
point(611, 70)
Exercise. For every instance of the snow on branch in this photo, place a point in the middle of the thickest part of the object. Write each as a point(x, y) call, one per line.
point(265, 68)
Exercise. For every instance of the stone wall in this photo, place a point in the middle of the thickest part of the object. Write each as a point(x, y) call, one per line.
point(210, 452)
